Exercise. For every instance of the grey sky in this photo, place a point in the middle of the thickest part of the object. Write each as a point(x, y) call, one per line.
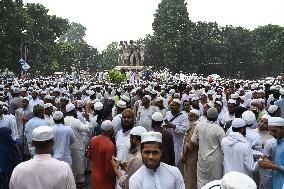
point(115, 20)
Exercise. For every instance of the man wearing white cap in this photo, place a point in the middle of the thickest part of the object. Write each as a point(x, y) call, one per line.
point(168, 154)
point(42, 171)
point(100, 153)
point(48, 110)
point(135, 162)
point(144, 113)
point(280, 102)
point(77, 149)
point(176, 122)
point(208, 136)
point(63, 139)
point(276, 128)
point(120, 107)
point(237, 150)
point(154, 173)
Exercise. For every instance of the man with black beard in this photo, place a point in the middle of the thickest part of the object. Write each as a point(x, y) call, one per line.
point(154, 173)
point(135, 163)
point(237, 150)
point(122, 138)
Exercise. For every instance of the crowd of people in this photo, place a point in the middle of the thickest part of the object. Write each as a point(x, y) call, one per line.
point(167, 132)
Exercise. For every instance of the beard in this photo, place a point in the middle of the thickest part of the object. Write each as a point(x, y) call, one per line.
point(133, 148)
point(154, 168)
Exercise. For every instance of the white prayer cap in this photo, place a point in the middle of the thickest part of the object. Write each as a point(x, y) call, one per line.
point(276, 121)
point(91, 93)
point(151, 137)
point(238, 123)
point(195, 98)
point(133, 91)
point(266, 116)
point(218, 102)
point(57, 115)
point(80, 103)
point(26, 98)
point(212, 113)
point(153, 92)
point(218, 96)
point(210, 104)
point(157, 116)
point(277, 87)
point(231, 101)
point(47, 105)
point(272, 109)
point(121, 104)
point(111, 98)
point(255, 101)
point(177, 101)
point(237, 180)
point(210, 92)
point(272, 88)
point(235, 96)
point(107, 125)
point(248, 117)
point(160, 99)
point(16, 90)
point(96, 100)
point(137, 131)
point(148, 97)
point(125, 98)
point(98, 106)
point(42, 133)
point(176, 95)
point(195, 111)
point(172, 91)
point(70, 107)
point(56, 90)
point(23, 89)
point(281, 91)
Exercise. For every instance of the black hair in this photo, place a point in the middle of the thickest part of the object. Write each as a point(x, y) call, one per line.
point(42, 145)
point(212, 119)
point(236, 129)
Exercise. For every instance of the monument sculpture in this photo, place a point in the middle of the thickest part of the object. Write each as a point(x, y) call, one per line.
point(131, 54)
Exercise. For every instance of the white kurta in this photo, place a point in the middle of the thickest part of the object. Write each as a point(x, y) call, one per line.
point(117, 123)
point(181, 123)
point(144, 117)
point(165, 177)
point(254, 139)
point(238, 154)
point(208, 136)
point(42, 172)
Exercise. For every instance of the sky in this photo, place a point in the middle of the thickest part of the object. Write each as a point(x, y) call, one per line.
point(121, 20)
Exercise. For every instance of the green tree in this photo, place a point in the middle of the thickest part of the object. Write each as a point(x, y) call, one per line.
point(76, 33)
point(172, 32)
point(109, 56)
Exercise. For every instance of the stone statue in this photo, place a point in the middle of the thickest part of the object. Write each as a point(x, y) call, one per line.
point(130, 54)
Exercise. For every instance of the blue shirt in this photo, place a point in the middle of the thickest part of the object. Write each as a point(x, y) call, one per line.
point(280, 103)
point(278, 176)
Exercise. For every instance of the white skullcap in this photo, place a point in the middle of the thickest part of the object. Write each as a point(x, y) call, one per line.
point(231, 101)
point(137, 131)
point(151, 137)
point(98, 106)
point(148, 97)
point(26, 98)
point(160, 99)
point(121, 104)
point(172, 91)
point(80, 103)
point(153, 92)
point(266, 116)
point(107, 125)
point(235, 96)
point(210, 92)
point(57, 115)
point(70, 107)
point(212, 113)
point(111, 98)
point(237, 180)
point(47, 105)
point(195, 111)
point(177, 101)
point(42, 133)
point(281, 91)
point(176, 95)
point(276, 121)
point(157, 116)
point(218, 102)
point(125, 98)
point(238, 123)
point(195, 98)
point(210, 104)
point(272, 109)
point(248, 117)
point(218, 96)
point(91, 93)
point(242, 97)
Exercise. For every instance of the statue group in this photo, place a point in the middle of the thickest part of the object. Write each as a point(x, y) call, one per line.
point(131, 54)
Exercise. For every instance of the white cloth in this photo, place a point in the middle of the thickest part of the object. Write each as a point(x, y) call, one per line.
point(49, 120)
point(63, 137)
point(144, 117)
point(238, 154)
point(254, 139)
point(181, 123)
point(42, 172)
point(10, 122)
point(117, 123)
point(208, 136)
point(165, 177)
point(33, 102)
